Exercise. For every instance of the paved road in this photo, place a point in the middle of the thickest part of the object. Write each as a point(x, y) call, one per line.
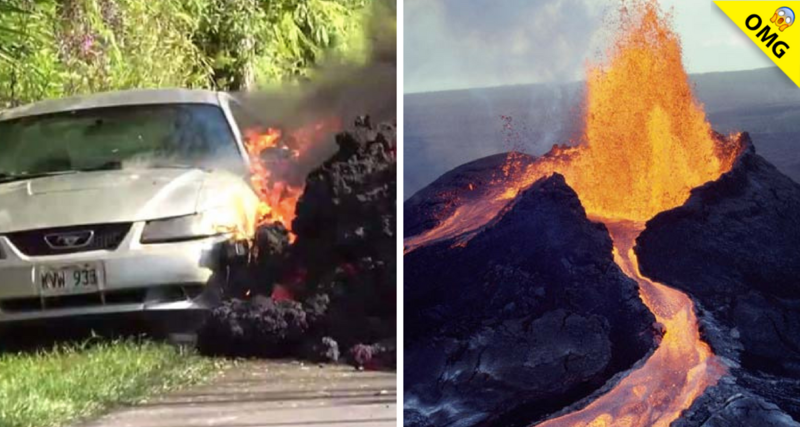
point(271, 394)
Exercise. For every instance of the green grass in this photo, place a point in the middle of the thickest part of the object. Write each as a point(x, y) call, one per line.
point(72, 382)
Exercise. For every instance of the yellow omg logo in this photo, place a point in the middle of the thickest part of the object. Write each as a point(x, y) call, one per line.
point(767, 24)
point(782, 19)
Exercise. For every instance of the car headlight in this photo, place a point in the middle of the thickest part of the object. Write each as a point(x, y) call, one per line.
point(212, 222)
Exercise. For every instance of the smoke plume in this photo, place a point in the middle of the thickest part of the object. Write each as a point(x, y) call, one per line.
point(338, 91)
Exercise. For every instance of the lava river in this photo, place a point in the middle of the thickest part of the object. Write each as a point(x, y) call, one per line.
point(673, 376)
point(646, 143)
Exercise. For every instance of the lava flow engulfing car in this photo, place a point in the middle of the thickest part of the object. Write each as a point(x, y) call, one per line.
point(165, 201)
point(334, 285)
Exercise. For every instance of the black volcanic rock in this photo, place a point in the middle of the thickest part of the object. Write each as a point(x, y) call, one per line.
point(340, 272)
point(728, 404)
point(258, 327)
point(441, 197)
point(734, 246)
point(741, 411)
point(529, 316)
point(346, 230)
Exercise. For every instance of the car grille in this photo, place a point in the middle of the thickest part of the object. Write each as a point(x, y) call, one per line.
point(106, 237)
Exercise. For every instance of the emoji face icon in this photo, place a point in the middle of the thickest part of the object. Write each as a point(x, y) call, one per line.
point(783, 17)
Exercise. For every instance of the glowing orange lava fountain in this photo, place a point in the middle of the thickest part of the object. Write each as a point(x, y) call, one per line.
point(646, 144)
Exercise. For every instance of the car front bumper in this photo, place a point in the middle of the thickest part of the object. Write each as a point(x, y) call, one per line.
point(151, 276)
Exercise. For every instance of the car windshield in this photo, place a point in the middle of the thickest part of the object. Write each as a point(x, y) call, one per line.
point(147, 136)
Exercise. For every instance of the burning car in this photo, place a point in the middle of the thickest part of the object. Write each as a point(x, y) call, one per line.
point(120, 202)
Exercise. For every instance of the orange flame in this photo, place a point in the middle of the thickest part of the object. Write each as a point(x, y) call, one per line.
point(277, 196)
point(276, 200)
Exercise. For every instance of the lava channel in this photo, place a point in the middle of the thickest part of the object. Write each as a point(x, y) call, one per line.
point(677, 372)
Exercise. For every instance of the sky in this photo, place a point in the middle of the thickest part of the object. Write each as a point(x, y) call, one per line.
point(457, 44)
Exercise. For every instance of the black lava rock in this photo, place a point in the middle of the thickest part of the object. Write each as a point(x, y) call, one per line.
point(271, 246)
point(340, 270)
point(348, 210)
point(347, 238)
point(529, 316)
point(380, 355)
point(734, 246)
point(326, 349)
point(742, 411)
point(256, 327)
point(269, 254)
point(728, 404)
point(472, 180)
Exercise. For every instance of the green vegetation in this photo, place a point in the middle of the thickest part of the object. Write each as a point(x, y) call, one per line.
point(55, 48)
point(73, 382)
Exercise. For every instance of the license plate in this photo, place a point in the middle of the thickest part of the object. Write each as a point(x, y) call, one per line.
point(71, 279)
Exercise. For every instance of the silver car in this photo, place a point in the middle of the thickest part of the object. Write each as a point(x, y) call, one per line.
point(119, 202)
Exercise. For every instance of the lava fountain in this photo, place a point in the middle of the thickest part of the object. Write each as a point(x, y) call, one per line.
point(645, 144)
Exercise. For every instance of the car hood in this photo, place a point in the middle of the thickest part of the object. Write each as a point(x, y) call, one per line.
point(105, 197)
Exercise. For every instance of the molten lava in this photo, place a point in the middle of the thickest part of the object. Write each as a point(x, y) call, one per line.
point(273, 158)
point(673, 376)
point(646, 136)
point(646, 144)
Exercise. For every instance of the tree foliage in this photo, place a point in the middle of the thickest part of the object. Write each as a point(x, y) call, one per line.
point(55, 48)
